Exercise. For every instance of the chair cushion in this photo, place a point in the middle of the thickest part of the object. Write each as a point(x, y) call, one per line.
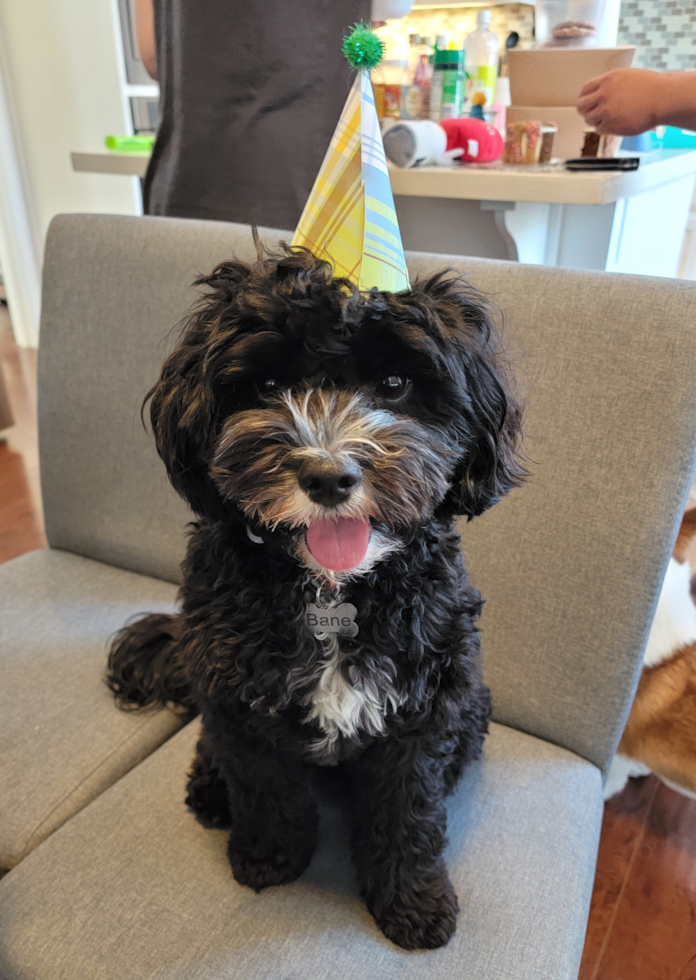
point(62, 739)
point(114, 289)
point(134, 887)
point(570, 566)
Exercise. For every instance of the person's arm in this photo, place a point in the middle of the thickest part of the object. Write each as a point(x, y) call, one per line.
point(145, 33)
point(629, 101)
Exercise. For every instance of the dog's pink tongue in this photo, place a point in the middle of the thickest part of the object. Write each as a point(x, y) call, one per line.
point(339, 545)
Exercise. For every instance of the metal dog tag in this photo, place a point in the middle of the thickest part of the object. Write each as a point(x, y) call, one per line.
point(334, 619)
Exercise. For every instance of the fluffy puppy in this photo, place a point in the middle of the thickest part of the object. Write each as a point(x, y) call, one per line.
point(326, 439)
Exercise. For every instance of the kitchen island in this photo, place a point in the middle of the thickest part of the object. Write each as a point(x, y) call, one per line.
point(620, 222)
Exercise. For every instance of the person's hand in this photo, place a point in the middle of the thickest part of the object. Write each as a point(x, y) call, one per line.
point(624, 102)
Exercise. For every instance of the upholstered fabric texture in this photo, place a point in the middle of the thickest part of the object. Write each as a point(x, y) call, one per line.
point(114, 293)
point(62, 739)
point(133, 887)
point(570, 565)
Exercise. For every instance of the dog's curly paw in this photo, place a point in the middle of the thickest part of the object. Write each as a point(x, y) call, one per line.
point(260, 868)
point(207, 799)
point(420, 918)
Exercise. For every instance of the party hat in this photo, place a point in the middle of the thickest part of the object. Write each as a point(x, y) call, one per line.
point(349, 219)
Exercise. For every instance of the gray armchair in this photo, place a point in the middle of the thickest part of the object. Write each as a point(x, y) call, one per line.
point(111, 878)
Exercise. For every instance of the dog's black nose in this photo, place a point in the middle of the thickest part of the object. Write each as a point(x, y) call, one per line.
point(327, 482)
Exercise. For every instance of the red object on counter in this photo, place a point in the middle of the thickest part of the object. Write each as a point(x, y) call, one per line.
point(461, 131)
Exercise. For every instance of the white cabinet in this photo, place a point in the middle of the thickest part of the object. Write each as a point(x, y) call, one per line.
point(687, 263)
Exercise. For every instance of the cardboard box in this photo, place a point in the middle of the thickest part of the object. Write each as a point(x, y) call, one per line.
point(571, 126)
point(554, 76)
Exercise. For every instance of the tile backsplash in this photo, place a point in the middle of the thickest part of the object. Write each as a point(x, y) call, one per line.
point(663, 31)
point(457, 22)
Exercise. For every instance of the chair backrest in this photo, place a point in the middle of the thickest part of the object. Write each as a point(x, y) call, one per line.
point(570, 565)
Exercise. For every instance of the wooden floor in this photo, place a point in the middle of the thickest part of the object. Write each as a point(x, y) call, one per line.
point(643, 917)
point(21, 521)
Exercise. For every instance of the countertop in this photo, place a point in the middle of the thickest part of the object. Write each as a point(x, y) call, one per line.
point(111, 162)
point(547, 184)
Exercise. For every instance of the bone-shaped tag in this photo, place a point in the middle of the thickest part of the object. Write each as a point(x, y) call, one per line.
point(336, 619)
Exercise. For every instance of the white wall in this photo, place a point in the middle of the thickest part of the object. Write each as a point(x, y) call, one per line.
point(62, 76)
point(18, 254)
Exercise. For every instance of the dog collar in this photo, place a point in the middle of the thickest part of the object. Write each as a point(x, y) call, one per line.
point(254, 537)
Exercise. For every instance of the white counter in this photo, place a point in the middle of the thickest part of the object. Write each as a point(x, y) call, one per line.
point(620, 222)
point(542, 184)
point(624, 222)
point(111, 162)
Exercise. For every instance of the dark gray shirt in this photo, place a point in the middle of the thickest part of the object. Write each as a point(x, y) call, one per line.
point(251, 92)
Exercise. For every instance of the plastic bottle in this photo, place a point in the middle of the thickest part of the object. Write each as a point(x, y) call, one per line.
point(441, 42)
point(424, 71)
point(447, 88)
point(482, 51)
point(413, 56)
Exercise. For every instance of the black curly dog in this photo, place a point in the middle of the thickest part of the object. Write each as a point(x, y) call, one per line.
point(296, 411)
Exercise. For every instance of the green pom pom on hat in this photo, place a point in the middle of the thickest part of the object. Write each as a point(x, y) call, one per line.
point(363, 49)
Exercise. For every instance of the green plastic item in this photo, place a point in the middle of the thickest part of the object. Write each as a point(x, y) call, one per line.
point(130, 144)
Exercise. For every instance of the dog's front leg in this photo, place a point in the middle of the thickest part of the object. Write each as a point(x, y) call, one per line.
point(273, 814)
point(399, 825)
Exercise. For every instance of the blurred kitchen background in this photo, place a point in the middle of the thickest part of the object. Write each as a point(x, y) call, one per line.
point(70, 74)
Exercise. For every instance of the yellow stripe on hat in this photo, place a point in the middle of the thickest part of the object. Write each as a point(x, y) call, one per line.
point(349, 218)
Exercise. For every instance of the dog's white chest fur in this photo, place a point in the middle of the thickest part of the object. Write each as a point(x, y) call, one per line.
point(347, 702)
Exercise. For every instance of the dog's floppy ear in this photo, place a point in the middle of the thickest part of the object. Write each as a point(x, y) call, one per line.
point(490, 464)
point(181, 418)
point(183, 405)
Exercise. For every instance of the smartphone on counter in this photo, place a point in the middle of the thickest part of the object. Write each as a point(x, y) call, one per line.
point(603, 163)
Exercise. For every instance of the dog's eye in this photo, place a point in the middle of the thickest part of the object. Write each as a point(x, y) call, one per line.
point(393, 386)
point(266, 386)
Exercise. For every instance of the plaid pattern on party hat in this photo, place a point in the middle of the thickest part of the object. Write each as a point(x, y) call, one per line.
point(349, 219)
